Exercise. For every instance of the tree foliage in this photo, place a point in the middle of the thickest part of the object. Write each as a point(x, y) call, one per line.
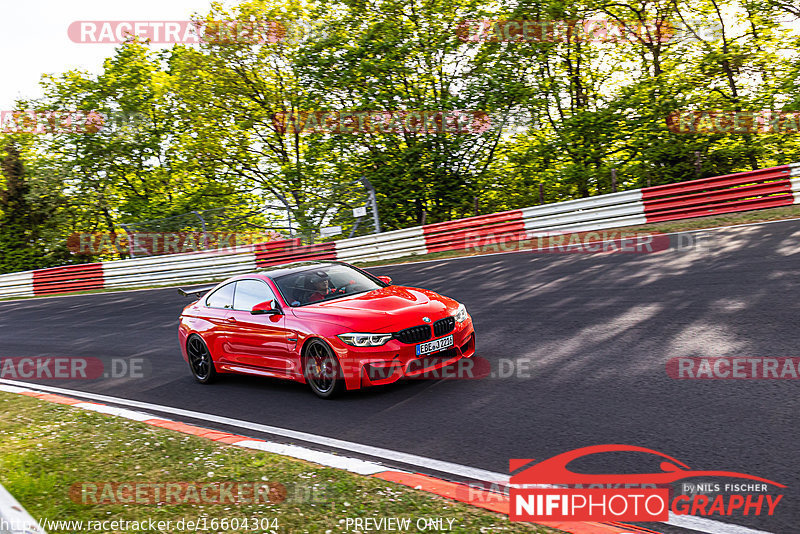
point(195, 127)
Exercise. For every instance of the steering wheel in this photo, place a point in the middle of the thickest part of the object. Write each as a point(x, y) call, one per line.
point(343, 289)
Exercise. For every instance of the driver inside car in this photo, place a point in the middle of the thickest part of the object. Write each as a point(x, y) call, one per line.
point(320, 287)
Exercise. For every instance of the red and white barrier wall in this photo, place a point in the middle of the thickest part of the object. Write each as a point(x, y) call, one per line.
point(763, 188)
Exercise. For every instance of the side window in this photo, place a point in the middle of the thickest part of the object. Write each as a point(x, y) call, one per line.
point(249, 293)
point(222, 297)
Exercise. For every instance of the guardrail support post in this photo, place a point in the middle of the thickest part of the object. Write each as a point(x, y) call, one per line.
point(373, 204)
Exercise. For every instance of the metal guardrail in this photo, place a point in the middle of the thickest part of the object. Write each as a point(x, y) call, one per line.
point(13, 517)
point(764, 188)
point(744, 191)
point(16, 284)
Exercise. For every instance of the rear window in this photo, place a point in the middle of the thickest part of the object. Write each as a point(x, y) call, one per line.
point(222, 297)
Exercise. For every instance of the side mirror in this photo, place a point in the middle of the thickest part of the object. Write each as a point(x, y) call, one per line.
point(265, 308)
point(385, 279)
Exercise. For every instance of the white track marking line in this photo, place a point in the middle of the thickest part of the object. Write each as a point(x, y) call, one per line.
point(700, 524)
point(376, 452)
point(113, 410)
point(13, 389)
point(14, 519)
point(353, 465)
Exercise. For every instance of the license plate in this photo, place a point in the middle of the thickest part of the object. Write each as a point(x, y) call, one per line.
point(435, 345)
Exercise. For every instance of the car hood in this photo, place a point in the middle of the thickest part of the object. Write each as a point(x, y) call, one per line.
point(386, 309)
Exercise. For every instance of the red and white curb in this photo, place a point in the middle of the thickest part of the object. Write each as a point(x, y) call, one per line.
point(495, 502)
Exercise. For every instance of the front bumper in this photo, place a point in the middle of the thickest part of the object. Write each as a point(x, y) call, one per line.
point(375, 366)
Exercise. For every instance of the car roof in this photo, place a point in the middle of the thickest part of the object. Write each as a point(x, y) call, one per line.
point(276, 271)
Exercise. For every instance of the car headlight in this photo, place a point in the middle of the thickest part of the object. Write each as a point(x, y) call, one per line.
point(357, 339)
point(461, 314)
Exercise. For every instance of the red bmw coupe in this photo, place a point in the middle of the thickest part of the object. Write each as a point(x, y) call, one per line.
point(327, 324)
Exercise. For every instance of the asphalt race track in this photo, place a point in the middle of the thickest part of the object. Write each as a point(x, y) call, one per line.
point(594, 332)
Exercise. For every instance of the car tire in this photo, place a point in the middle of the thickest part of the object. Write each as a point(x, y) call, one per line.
point(321, 369)
point(200, 361)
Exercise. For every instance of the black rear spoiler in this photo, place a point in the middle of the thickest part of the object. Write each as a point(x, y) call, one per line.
point(199, 291)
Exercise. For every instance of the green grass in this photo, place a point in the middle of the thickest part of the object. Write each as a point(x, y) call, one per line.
point(45, 448)
point(698, 223)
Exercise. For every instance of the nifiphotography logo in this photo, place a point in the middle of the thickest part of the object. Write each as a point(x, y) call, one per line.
point(628, 497)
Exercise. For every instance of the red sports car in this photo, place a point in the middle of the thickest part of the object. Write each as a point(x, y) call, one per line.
point(327, 324)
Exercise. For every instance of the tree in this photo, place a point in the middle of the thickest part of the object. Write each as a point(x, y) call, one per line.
point(22, 220)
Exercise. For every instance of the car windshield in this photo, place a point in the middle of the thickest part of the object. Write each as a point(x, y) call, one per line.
point(323, 283)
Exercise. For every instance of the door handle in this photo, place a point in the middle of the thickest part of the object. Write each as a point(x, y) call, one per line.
point(231, 319)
